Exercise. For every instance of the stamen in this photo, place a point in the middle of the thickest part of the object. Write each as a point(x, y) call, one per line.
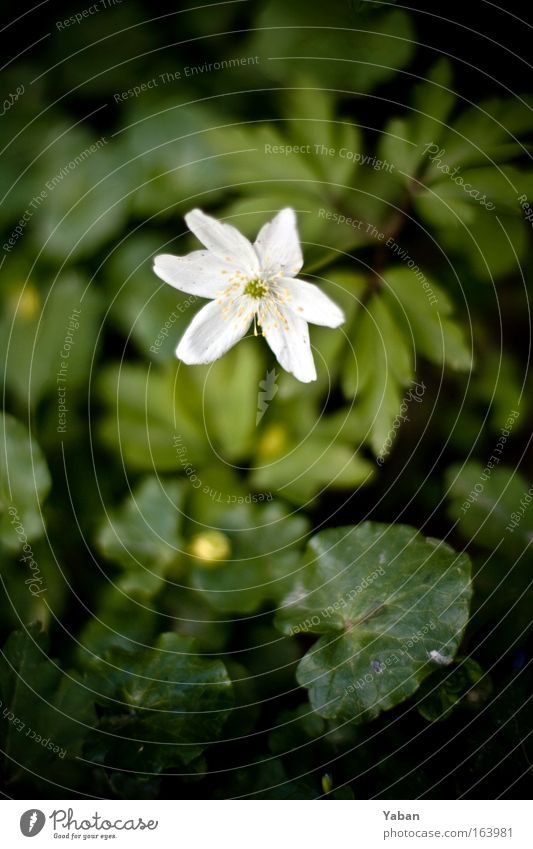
point(256, 289)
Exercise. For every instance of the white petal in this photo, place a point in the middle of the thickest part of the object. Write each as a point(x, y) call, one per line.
point(199, 273)
point(310, 303)
point(212, 332)
point(288, 336)
point(278, 245)
point(224, 241)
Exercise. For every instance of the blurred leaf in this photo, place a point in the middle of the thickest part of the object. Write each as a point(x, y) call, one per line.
point(130, 786)
point(424, 312)
point(297, 465)
point(161, 707)
point(47, 711)
point(143, 534)
point(442, 205)
point(377, 372)
point(120, 617)
point(405, 140)
point(171, 418)
point(147, 410)
point(44, 601)
point(384, 599)
point(152, 313)
point(498, 185)
point(85, 193)
point(397, 147)
point(377, 46)
point(433, 100)
point(24, 484)
point(490, 505)
point(230, 390)
point(447, 688)
point(294, 729)
point(48, 341)
point(492, 247)
point(173, 157)
point(499, 383)
point(481, 130)
point(263, 544)
point(332, 144)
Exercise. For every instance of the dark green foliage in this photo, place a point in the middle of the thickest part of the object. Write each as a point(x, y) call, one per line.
point(218, 581)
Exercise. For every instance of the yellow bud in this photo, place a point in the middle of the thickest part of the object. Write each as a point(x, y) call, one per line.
point(29, 304)
point(274, 441)
point(327, 783)
point(210, 547)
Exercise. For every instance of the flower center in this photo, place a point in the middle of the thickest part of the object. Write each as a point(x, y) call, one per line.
point(256, 289)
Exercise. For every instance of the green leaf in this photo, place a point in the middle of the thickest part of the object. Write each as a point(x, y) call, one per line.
point(499, 186)
point(433, 101)
point(230, 389)
point(499, 385)
point(121, 617)
point(161, 707)
point(24, 484)
point(143, 536)
point(86, 192)
point(481, 130)
point(443, 206)
point(309, 36)
point(48, 338)
point(491, 505)
point(332, 145)
point(46, 713)
point(172, 158)
point(390, 605)
point(175, 416)
point(397, 147)
point(447, 688)
point(377, 337)
point(144, 308)
point(492, 245)
point(424, 311)
point(32, 594)
point(377, 371)
point(262, 550)
point(146, 409)
point(297, 468)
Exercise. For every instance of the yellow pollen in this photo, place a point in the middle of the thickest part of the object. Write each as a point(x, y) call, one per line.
point(256, 289)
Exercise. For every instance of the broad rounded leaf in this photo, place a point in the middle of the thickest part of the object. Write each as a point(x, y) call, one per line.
point(391, 606)
point(160, 706)
point(143, 534)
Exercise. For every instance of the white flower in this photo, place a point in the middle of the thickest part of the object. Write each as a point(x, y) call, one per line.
point(248, 283)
